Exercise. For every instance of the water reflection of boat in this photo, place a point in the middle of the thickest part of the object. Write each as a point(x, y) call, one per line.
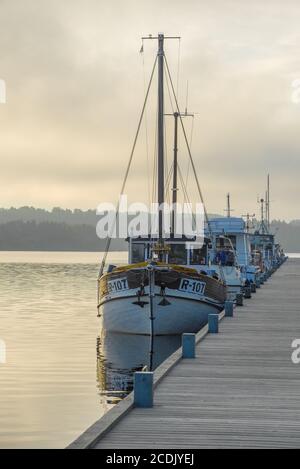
point(120, 355)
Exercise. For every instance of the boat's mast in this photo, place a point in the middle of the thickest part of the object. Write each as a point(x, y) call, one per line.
point(228, 205)
point(266, 212)
point(175, 167)
point(248, 223)
point(176, 116)
point(262, 217)
point(248, 218)
point(160, 133)
point(268, 190)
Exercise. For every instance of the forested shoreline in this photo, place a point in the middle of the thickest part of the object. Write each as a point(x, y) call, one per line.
point(31, 229)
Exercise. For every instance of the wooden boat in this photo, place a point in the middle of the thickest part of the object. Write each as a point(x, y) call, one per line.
point(181, 298)
point(163, 289)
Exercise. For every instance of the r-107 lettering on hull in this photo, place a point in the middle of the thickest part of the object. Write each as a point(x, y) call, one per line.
point(182, 300)
point(192, 286)
point(117, 285)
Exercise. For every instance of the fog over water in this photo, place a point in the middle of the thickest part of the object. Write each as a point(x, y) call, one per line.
point(75, 86)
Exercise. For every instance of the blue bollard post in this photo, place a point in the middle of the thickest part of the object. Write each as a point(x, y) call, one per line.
point(229, 309)
point(188, 345)
point(247, 293)
point(239, 299)
point(143, 389)
point(213, 323)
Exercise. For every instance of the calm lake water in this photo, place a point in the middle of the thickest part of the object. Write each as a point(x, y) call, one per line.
point(61, 372)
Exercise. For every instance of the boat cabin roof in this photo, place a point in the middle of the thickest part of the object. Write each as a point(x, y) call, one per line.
point(222, 225)
point(262, 240)
point(171, 240)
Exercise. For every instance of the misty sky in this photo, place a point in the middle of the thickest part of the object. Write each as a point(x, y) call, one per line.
point(75, 87)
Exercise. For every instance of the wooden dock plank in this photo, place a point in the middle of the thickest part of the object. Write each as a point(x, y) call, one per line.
point(242, 389)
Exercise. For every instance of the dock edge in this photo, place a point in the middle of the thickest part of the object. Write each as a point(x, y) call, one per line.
point(93, 434)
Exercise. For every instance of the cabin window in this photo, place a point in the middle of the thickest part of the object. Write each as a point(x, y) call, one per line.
point(198, 256)
point(138, 253)
point(226, 242)
point(177, 254)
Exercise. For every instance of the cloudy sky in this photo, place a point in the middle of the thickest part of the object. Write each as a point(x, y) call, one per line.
point(75, 86)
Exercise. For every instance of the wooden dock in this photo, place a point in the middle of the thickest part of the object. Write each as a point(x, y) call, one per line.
point(241, 390)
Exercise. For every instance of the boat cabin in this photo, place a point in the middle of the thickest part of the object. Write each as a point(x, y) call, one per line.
point(179, 251)
point(230, 235)
point(263, 244)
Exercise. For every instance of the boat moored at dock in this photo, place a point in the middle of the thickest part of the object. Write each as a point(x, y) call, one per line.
point(164, 288)
point(230, 254)
point(181, 295)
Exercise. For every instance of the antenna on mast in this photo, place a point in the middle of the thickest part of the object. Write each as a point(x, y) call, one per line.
point(266, 210)
point(228, 210)
point(268, 202)
point(249, 218)
point(263, 226)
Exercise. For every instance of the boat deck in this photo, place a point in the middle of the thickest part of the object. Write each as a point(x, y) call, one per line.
point(242, 389)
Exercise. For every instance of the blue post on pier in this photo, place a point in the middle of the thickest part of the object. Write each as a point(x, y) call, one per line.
point(143, 389)
point(188, 345)
point(213, 323)
point(229, 309)
point(239, 299)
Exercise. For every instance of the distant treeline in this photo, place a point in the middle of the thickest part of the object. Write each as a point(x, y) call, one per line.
point(56, 215)
point(287, 234)
point(32, 229)
point(50, 236)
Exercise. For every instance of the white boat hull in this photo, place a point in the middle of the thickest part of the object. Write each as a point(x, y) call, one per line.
point(232, 291)
point(233, 279)
point(181, 315)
